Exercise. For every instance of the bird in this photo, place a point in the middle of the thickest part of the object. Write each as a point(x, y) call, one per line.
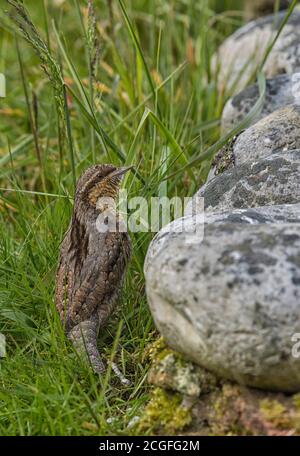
point(92, 263)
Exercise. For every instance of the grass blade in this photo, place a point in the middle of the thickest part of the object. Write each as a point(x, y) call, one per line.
point(138, 49)
point(212, 150)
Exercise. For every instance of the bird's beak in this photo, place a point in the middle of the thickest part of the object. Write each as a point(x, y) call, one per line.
point(121, 171)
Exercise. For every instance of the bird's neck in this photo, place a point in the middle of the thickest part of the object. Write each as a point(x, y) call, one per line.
point(85, 211)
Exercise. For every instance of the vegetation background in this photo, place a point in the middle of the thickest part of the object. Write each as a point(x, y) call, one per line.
point(126, 82)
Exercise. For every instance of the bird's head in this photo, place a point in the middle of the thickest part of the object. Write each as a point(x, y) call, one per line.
point(99, 181)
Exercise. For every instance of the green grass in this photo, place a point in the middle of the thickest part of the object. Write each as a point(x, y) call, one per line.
point(151, 101)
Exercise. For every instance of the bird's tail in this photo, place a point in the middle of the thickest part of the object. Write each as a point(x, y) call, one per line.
point(84, 338)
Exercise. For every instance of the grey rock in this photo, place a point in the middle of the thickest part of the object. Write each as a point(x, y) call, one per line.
point(242, 52)
point(275, 133)
point(276, 214)
point(280, 91)
point(271, 180)
point(258, 8)
point(231, 302)
point(286, 213)
point(223, 282)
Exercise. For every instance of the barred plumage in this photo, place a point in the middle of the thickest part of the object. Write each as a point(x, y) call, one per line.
point(92, 264)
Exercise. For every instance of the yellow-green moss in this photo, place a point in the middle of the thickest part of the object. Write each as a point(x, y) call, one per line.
point(296, 417)
point(224, 418)
point(296, 400)
point(165, 413)
point(275, 412)
point(159, 350)
point(171, 371)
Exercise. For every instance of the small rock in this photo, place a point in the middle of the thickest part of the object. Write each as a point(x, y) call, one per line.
point(278, 132)
point(231, 303)
point(280, 91)
point(271, 180)
point(133, 422)
point(241, 53)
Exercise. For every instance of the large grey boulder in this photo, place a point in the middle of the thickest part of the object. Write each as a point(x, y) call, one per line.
point(241, 53)
point(277, 214)
point(231, 301)
point(280, 91)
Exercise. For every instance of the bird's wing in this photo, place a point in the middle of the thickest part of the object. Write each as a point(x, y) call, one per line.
point(90, 272)
point(100, 275)
point(64, 280)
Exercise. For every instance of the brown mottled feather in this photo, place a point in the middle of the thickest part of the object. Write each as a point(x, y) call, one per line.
point(92, 264)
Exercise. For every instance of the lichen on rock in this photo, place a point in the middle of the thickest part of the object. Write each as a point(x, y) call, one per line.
point(224, 409)
point(171, 371)
point(280, 92)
